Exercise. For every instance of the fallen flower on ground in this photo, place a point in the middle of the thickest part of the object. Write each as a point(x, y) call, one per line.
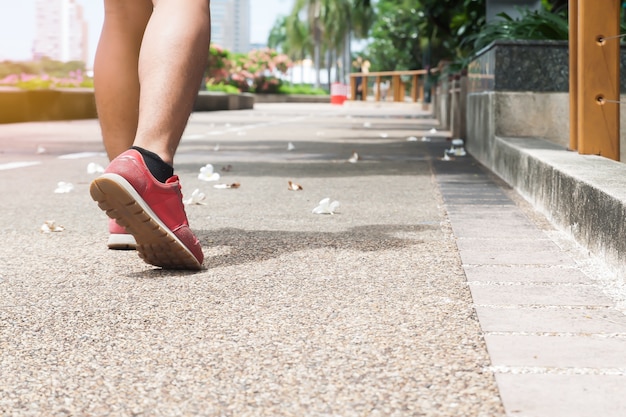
point(384, 135)
point(367, 124)
point(354, 158)
point(64, 187)
point(196, 197)
point(94, 168)
point(425, 139)
point(290, 146)
point(216, 148)
point(325, 206)
point(50, 226)
point(411, 139)
point(41, 150)
point(227, 186)
point(294, 187)
point(433, 130)
point(207, 174)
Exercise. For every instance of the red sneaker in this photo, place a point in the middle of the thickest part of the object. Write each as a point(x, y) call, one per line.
point(152, 211)
point(119, 238)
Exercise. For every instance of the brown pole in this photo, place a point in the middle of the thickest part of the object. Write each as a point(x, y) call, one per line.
point(573, 74)
point(598, 78)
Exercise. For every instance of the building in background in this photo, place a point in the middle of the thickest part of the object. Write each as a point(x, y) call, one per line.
point(62, 31)
point(230, 24)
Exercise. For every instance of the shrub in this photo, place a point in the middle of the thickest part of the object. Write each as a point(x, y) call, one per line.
point(302, 89)
point(40, 82)
point(222, 88)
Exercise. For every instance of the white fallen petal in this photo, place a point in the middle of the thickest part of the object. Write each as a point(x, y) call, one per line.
point(196, 197)
point(94, 168)
point(290, 146)
point(354, 158)
point(207, 173)
point(51, 226)
point(433, 130)
point(325, 206)
point(425, 139)
point(411, 139)
point(216, 148)
point(446, 157)
point(367, 124)
point(227, 186)
point(294, 187)
point(41, 150)
point(384, 135)
point(64, 187)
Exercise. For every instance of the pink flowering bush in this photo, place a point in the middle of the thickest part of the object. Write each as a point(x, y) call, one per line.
point(259, 70)
point(218, 66)
point(41, 82)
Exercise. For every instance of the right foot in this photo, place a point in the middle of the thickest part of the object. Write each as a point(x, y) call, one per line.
point(153, 212)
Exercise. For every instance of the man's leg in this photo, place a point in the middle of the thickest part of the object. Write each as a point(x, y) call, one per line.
point(173, 57)
point(138, 188)
point(116, 72)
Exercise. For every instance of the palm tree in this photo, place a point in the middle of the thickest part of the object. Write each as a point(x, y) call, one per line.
point(313, 9)
point(333, 23)
point(299, 39)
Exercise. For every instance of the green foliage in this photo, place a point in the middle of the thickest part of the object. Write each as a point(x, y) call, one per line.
point(415, 34)
point(222, 88)
point(266, 85)
point(532, 25)
point(46, 66)
point(304, 89)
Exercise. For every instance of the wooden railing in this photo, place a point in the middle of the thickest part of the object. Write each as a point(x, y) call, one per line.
point(594, 50)
point(396, 91)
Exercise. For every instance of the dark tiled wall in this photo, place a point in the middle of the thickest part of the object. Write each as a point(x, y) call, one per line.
point(539, 66)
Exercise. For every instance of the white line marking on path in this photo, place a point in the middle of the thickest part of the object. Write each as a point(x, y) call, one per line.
point(14, 165)
point(192, 137)
point(81, 155)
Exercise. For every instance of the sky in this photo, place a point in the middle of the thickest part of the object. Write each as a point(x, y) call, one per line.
point(17, 24)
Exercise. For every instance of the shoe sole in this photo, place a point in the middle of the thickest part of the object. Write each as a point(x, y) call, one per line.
point(156, 243)
point(121, 242)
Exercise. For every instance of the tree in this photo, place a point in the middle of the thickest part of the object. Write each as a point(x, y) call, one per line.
point(414, 34)
point(332, 24)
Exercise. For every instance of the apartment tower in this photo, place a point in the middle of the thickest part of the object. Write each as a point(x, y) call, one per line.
point(62, 32)
point(230, 24)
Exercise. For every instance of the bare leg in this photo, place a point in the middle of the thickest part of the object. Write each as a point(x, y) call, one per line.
point(116, 72)
point(173, 56)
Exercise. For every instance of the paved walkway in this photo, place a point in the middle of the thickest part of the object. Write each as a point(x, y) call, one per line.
point(432, 291)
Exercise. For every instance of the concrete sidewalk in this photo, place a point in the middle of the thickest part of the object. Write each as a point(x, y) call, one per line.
point(433, 290)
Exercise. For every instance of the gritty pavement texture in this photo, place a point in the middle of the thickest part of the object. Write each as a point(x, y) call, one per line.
point(366, 312)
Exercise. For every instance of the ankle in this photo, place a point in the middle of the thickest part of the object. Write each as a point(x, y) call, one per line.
point(159, 169)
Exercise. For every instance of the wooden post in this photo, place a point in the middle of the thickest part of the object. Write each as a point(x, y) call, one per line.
point(364, 88)
point(377, 92)
point(414, 88)
point(353, 88)
point(598, 78)
point(395, 86)
point(573, 74)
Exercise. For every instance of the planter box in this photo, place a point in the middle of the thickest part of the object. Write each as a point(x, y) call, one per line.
point(213, 101)
point(19, 106)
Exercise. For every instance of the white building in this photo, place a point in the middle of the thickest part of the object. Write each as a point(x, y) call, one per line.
point(230, 24)
point(62, 32)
